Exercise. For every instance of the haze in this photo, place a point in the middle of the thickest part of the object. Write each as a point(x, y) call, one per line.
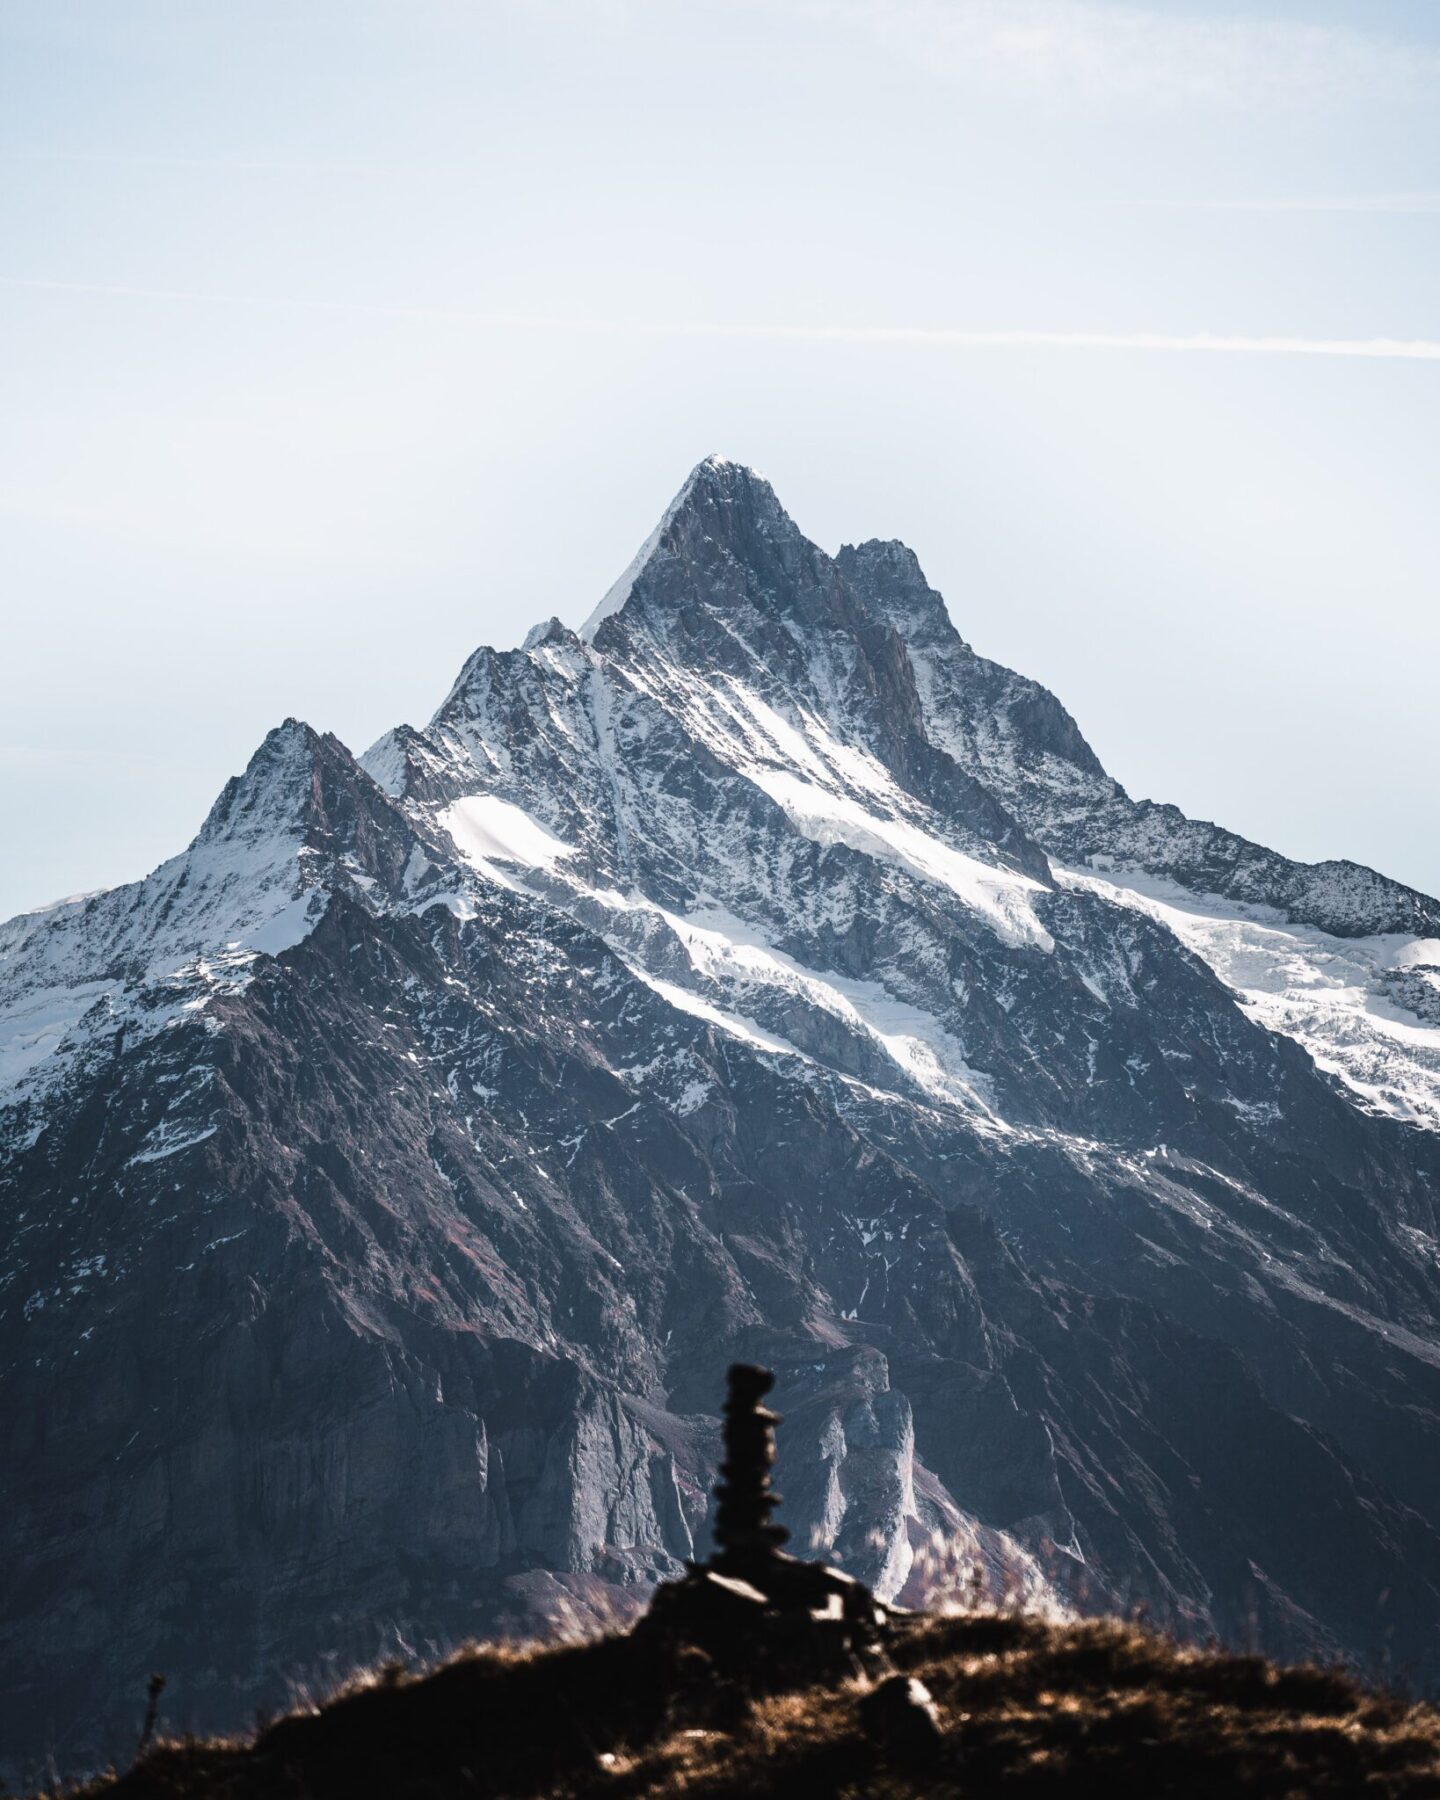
point(337, 340)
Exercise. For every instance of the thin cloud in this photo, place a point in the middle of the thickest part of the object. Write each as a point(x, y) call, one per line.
point(921, 336)
point(1101, 51)
point(1332, 203)
point(1411, 349)
point(145, 159)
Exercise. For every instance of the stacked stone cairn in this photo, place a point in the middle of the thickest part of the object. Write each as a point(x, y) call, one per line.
point(760, 1616)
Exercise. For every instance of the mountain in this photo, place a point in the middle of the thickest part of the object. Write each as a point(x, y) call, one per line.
point(757, 974)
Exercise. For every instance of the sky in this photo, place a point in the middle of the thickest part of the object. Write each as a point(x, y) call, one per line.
point(337, 338)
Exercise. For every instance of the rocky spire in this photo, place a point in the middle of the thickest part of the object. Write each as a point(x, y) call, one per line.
point(724, 524)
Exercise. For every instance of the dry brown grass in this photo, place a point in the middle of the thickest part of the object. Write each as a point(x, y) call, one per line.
point(1029, 1708)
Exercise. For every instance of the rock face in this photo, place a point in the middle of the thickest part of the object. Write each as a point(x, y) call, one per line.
point(759, 975)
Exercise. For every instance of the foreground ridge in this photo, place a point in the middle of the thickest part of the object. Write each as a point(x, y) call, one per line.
point(1020, 1707)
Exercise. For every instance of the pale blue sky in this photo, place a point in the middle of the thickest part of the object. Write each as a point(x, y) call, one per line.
point(337, 338)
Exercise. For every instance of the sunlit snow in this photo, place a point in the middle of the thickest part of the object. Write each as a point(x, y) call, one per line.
point(1333, 995)
point(686, 1000)
point(1002, 896)
point(33, 1026)
point(725, 950)
point(487, 830)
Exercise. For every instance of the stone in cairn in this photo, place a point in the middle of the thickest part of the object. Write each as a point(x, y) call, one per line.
point(745, 1500)
point(756, 1611)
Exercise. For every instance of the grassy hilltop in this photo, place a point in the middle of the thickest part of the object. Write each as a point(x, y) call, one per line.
point(1023, 1708)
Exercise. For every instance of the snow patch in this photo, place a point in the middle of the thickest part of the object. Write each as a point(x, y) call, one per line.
point(1339, 998)
point(169, 1139)
point(1001, 896)
point(725, 950)
point(36, 1025)
point(291, 924)
point(685, 1000)
point(486, 830)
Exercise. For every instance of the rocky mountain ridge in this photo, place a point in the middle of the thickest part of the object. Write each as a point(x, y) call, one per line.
point(757, 973)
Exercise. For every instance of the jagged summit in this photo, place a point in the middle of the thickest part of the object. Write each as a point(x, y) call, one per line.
point(889, 573)
point(895, 559)
point(274, 787)
point(548, 631)
point(720, 503)
point(735, 510)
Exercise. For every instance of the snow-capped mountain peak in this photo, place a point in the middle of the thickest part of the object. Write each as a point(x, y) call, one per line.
point(763, 974)
point(299, 823)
